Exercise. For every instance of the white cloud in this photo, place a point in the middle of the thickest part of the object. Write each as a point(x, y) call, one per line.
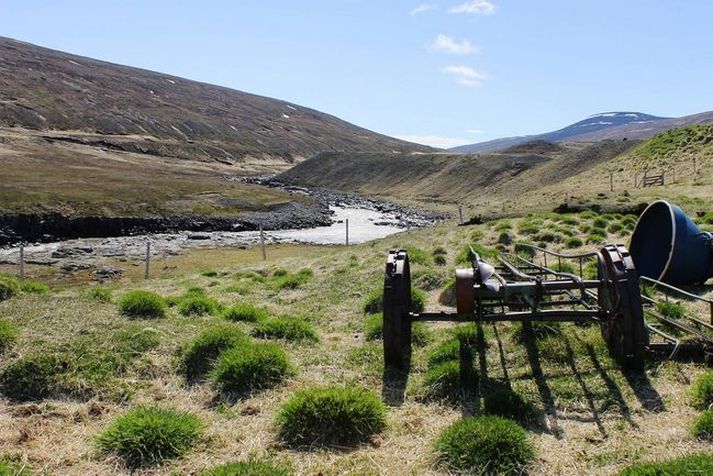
point(422, 8)
point(475, 131)
point(449, 45)
point(465, 75)
point(436, 141)
point(478, 7)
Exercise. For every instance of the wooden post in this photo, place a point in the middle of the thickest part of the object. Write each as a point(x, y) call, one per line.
point(22, 261)
point(147, 260)
point(347, 228)
point(262, 244)
point(460, 213)
point(611, 181)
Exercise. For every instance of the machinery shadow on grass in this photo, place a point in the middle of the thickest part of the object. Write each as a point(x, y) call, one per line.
point(394, 383)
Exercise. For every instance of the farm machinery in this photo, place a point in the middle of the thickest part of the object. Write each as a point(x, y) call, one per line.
point(533, 285)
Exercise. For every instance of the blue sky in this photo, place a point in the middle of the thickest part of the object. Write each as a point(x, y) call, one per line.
point(439, 72)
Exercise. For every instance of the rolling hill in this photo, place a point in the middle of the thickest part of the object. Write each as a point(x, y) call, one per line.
point(137, 110)
point(603, 126)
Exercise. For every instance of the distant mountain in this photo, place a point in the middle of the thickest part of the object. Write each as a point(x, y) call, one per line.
point(132, 109)
point(603, 126)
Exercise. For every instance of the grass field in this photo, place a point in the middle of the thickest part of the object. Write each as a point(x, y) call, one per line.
point(587, 417)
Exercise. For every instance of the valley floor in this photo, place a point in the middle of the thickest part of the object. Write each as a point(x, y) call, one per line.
point(590, 417)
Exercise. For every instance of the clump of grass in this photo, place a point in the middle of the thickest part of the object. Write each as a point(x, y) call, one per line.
point(596, 237)
point(288, 328)
point(238, 288)
point(484, 253)
point(548, 237)
point(8, 334)
point(209, 273)
point(524, 250)
point(134, 340)
point(440, 260)
point(702, 391)
point(443, 382)
point(587, 215)
point(245, 313)
point(485, 445)
point(418, 256)
point(615, 227)
point(439, 250)
point(148, 435)
point(699, 463)
point(292, 280)
point(375, 301)
point(428, 279)
point(564, 267)
point(142, 304)
point(507, 403)
point(251, 367)
point(34, 287)
point(245, 468)
point(671, 309)
point(703, 426)
point(30, 377)
point(279, 272)
point(374, 325)
point(202, 352)
point(573, 242)
point(99, 294)
point(331, 417)
point(197, 305)
point(600, 222)
point(12, 466)
point(505, 238)
point(9, 287)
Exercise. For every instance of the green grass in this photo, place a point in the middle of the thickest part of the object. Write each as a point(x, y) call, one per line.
point(246, 468)
point(703, 426)
point(34, 287)
point(245, 313)
point(695, 464)
point(464, 256)
point(148, 435)
point(375, 301)
point(99, 294)
point(287, 328)
point(199, 357)
point(197, 305)
point(702, 391)
point(573, 242)
point(286, 280)
point(671, 309)
point(12, 466)
point(8, 334)
point(142, 304)
point(251, 367)
point(443, 382)
point(374, 325)
point(330, 417)
point(507, 403)
point(9, 287)
point(31, 377)
point(485, 445)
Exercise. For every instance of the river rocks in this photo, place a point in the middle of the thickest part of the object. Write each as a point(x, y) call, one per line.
point(107, 273)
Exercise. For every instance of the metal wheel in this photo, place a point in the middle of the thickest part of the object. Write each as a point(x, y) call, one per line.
point(623, 327)
point(396, 319)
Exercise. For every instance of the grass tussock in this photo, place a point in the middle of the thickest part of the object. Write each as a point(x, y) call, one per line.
point(245, 313)
point(485, 445)
point(703, 426)
point(700, 463)
point(9, 287)
point(702, 391)
point(331, 417)
point(374, 326)
point(375, 301)
point(250, 367)
point(147, 435)
point(288, 328)
point(99, 294)
point(246, 468)
point(142, 305)
point(8, 334)
point(199, 357)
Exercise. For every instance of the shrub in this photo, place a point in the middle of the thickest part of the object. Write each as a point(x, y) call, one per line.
point(9, 287)
point(702, 391)
point(288, 328)
point(485, 445)
point(700, 463)
point(251, 367)
point(671, 309)
point(148, 435)
point(374, 325)
point(573, 242)
point(32, 286)
point(245, 468)
point(331, 416)
point(200, 355)
point(375, 301)
point(245, 313)
point(8, 334)
point(99, 293)
point(703, 426)
point(197, 305)
point(30, 377)
point(142, 304)
point(507, 403)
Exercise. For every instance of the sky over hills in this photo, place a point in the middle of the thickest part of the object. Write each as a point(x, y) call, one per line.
point(444, 73)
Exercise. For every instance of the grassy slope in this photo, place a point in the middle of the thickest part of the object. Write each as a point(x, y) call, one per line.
point(37, 175)
point(596, 421)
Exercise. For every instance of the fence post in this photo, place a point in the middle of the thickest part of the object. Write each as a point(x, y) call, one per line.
point(262, 244)
point(347, 229)
point(460, 213)
point(148, 259)
point(22, 261)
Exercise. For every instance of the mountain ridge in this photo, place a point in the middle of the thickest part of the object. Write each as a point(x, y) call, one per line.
point(611, 125)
